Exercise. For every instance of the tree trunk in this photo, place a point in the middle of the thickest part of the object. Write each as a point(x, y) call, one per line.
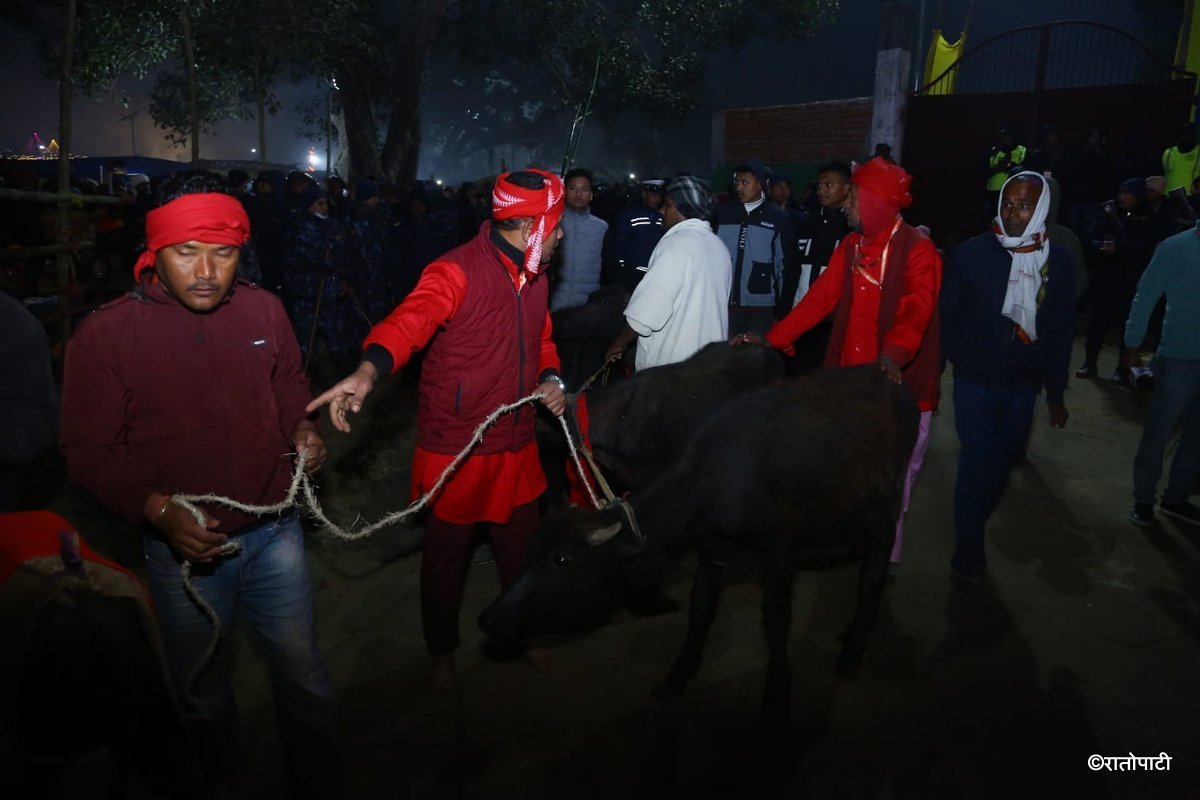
point(189, 57)
point(341, 160)
point(362, 134)
point(63, 224)
point(402, 145)
point(260, 94)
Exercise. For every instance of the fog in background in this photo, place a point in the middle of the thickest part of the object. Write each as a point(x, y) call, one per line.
point(838, 63)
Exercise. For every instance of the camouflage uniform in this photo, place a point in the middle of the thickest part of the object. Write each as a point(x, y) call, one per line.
point(370, 227)
point(319, 262)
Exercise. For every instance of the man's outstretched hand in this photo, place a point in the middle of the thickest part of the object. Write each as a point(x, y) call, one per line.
point(347, 396)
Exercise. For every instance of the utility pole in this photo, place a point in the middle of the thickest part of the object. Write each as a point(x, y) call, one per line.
point(918, 69)
point(62, 227)
point(132, 132)
point(892, 63)
point(333, 87)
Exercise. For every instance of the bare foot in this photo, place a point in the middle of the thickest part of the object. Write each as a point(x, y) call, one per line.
point(442, 674)
point(539, 658)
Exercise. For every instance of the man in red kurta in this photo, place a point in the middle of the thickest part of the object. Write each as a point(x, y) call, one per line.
point(484, 305)
point(882, 285)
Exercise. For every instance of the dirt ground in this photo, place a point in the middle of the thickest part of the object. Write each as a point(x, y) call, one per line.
point(1084, 639)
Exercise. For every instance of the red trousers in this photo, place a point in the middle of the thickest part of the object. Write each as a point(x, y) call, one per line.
point(447, 552)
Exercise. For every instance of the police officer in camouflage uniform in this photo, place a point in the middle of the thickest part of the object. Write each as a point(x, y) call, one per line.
point(318, 283)
point(369, 219)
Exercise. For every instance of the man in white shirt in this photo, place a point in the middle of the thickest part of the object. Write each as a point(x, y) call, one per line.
point(682, 303)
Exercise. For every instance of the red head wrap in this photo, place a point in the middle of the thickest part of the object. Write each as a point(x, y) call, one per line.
point(208, 217)
point(545, 205)
point(887, 181)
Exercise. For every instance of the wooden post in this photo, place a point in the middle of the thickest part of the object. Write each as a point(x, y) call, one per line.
point(260, 94)
point(1039, 81)
point(716, 144)
point(893, 61)
point(328, 135)
point(189, 54)
point(54, 197)
point(62, 236)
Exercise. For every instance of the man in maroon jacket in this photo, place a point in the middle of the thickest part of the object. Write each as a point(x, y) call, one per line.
point(191, 384)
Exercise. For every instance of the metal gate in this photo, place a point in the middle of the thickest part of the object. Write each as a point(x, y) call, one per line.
point(1075, 75)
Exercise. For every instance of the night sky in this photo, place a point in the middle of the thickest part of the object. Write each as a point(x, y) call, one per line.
point(838, 63)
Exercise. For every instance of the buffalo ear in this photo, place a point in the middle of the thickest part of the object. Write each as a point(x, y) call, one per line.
point(603, 535)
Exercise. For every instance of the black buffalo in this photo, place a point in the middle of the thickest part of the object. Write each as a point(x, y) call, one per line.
point(583, 333)
point(802, 473)
point(640, 425)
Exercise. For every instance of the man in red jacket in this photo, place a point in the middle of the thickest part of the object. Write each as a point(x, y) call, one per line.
point(191, 384)
point(484, 305)
point(882, 285)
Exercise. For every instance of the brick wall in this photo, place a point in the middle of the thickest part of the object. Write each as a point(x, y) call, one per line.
point(809, 132)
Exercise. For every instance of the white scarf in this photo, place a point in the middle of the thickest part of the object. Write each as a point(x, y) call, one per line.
point(1025, 275)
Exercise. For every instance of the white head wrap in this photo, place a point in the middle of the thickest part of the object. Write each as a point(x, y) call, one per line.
point(1025, 275)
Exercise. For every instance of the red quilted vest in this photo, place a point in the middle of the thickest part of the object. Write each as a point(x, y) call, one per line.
point(923, 373)
point(485, 357)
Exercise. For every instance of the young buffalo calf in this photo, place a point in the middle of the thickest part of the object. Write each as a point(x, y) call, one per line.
point(808, 469)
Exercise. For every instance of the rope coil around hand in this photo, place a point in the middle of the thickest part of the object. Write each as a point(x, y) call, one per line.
point(302, 482)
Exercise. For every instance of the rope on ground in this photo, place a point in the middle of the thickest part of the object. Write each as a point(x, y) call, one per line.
point(302, 482)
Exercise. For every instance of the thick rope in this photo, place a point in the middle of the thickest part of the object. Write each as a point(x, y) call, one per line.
point(302, 482)
point(609, 497)
point(604, 370)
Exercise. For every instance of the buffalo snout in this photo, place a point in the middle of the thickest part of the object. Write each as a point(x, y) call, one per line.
point(500, 620)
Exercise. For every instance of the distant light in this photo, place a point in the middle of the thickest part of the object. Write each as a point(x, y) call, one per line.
point(312, 159)
point(253, 149)
point(439, 183)
point(41, 147)
point(632, 177)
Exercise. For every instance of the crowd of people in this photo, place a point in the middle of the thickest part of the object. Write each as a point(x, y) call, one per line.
point(195, 381)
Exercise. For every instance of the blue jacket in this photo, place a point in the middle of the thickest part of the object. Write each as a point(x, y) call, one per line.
point(1174, 271)
point(759, 244)
point(578, 273)
point(636, 234)
point(982, 344)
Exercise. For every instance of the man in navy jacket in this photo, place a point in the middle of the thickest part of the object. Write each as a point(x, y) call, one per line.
point(1007, 312)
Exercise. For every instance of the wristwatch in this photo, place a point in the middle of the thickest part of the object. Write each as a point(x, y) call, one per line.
point(555, 379)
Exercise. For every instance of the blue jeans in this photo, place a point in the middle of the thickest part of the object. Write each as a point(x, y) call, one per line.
point(268, 580)
point(1176, 400)
point(993, 426)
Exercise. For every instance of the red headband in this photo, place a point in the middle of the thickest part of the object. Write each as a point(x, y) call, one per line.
point(887, 181)
point(545, 205)
point(208, 217)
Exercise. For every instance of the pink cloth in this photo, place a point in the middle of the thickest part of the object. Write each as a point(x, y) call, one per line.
point(914, 466)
